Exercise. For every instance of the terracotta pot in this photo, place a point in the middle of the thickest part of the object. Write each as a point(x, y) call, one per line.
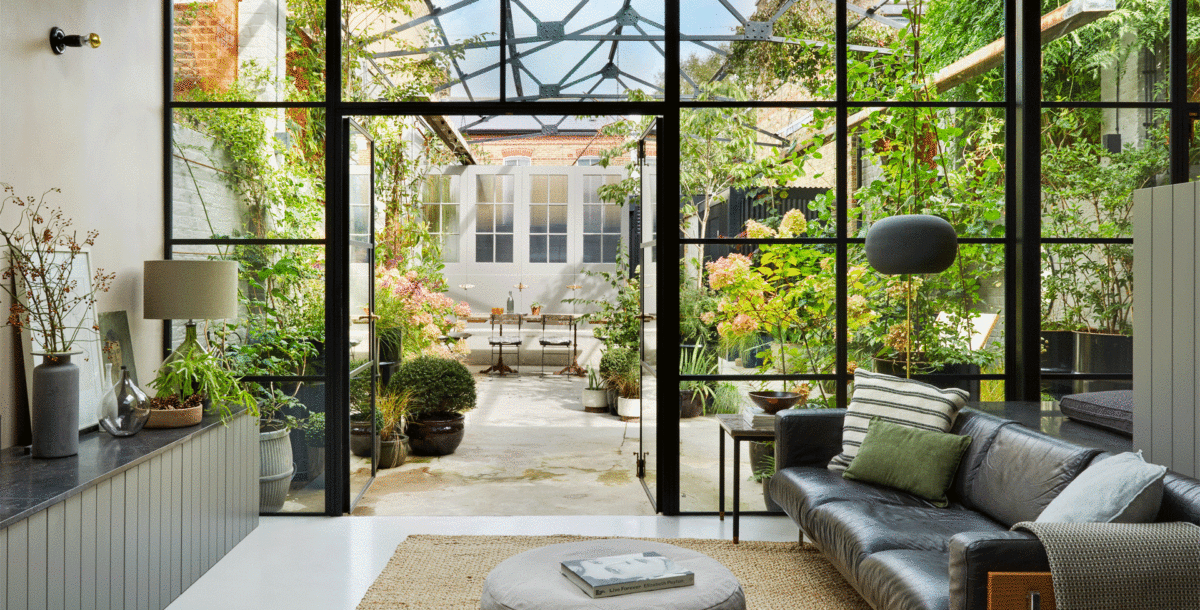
point(536, 311)
point(436, 433)
point(175, 418)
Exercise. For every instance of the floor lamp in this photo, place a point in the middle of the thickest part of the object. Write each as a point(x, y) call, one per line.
point(908, 244)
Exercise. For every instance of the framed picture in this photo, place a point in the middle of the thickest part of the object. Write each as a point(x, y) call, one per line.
point(92, 385)
point(117, 344)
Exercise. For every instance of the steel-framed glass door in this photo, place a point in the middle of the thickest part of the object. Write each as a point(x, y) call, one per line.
point(646, 274)
point(363, 348)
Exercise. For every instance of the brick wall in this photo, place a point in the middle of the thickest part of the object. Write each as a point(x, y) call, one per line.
point(206, 45)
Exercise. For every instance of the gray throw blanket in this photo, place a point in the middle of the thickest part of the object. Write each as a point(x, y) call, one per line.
point(1119, 566)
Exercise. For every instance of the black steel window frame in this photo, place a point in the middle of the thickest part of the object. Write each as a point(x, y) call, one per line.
point(1022, 241)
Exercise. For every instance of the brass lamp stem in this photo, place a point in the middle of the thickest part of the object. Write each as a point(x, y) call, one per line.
point(908, 330)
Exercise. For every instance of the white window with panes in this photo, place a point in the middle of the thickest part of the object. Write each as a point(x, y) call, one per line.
point(601, 221)
point(494, 218)
point(548, 218)
point(440, 206)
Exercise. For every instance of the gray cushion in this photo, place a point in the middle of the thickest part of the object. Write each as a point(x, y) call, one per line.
point(1118, 489)
point(533, 581)
point(1111, 410)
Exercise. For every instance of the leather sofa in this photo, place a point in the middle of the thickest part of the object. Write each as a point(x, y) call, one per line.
point(902, 553)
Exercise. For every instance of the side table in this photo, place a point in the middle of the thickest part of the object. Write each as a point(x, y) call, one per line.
point(738, 430)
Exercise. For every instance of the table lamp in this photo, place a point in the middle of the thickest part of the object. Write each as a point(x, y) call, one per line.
point(189, 290)
point(908, 244)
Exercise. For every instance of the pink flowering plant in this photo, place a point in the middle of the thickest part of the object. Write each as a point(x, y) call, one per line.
point(789, 292)
point(418, 306)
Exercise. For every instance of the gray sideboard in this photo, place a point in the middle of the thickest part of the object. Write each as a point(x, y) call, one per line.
point(128, 523)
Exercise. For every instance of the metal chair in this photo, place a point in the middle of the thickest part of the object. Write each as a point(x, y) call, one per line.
point(498, 342)
point(555, 341)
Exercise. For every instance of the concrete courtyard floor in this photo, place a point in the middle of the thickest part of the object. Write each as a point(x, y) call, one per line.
point(530, 449)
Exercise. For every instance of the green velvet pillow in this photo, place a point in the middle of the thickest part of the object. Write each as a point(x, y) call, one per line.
point(920, 462)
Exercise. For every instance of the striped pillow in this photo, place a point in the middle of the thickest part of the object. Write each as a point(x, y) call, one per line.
point(900, 401)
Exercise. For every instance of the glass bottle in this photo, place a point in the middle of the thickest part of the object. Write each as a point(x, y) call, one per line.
point(125, 408)
point(509, 307)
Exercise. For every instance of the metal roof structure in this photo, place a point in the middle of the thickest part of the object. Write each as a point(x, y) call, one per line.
point(589, 50)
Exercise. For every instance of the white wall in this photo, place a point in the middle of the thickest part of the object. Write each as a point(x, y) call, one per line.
point(89, 122)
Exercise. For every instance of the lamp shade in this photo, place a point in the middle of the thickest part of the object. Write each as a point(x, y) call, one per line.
point(911, 243)
point(187, 290)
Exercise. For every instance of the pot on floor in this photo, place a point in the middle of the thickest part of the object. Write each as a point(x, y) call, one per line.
point(436, 433)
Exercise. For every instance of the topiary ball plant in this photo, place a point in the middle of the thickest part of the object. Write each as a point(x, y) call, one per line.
point(437, 385)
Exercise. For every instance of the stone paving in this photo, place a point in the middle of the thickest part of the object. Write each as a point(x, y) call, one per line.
point(530, 449)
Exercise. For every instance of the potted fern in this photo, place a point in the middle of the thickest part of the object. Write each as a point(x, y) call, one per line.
point(192, 383)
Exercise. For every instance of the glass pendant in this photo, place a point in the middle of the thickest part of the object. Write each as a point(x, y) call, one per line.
point(125, 408)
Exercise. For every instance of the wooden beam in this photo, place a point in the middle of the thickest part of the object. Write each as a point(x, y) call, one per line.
point(1055, 24)
point(453, 139)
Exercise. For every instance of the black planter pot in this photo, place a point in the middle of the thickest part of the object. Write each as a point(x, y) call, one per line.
point(363, 441)
point(436, 434)
point(393, 452)
point(750, 355)
point(899, 368)
point(690, 404)
point(1058, 357)
point(386, 370)
point(1103, 354)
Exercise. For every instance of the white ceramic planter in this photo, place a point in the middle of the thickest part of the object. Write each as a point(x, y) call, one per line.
point(595, 401)
point(629, 408)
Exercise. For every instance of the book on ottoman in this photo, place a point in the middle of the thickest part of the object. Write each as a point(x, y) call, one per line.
point(622, 574)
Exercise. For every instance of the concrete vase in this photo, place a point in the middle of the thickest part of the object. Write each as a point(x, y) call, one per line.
point(54, 416)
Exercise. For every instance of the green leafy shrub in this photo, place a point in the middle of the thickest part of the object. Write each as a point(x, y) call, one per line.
point(437, 385)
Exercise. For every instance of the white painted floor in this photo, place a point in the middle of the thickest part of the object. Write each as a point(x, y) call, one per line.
point(327, 563)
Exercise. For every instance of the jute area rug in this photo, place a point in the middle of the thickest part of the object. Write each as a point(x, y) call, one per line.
point(447, 572)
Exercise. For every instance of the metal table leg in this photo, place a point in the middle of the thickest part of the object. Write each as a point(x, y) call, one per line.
point(721, 493)
point(737, 484)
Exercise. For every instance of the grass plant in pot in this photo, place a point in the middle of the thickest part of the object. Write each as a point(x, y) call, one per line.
point(595, 396)
point(441, 391)
point(694, 394)
point(393, 408)
point(628, 383)
point(614, 364)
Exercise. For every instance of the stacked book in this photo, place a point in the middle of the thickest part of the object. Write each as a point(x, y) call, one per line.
point(757, 418)
point(622, 574)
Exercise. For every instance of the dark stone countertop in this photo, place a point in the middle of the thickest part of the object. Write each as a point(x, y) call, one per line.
point(28, 485)
point(1046, 418)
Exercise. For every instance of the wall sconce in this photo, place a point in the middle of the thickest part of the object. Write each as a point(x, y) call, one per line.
point(59, 40)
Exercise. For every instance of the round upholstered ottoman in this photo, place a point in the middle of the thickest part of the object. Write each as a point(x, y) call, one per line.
point(533, 580)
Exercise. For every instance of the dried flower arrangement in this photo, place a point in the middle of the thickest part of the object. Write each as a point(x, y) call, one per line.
point(42, 248)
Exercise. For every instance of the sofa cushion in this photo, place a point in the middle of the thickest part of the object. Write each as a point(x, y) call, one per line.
point(1118, 489)
point(909, 459)
point(1181, 499)
point(982, 428)
point(799, 490)
point(906, 580)
point(850, 531)
point(900, 401)
point(1022, 472)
